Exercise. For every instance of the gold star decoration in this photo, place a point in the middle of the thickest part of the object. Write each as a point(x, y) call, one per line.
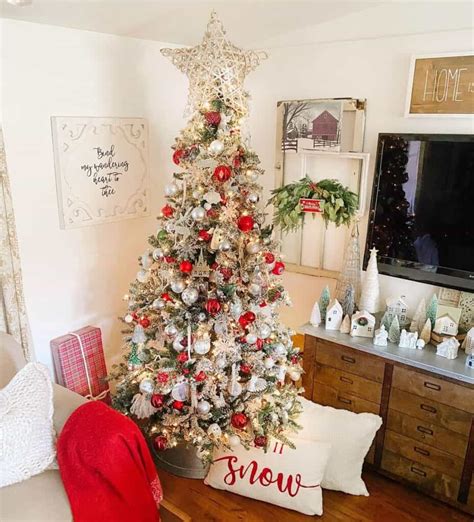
point(216, 68)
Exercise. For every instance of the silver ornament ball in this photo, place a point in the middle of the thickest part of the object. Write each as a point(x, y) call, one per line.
point(253, 247)
point(255, 289)
point(202, 346)
point(251, 338)
point(216, 147)
point(234, 441)
point(178, 285)
point(171, 190)
point(171, 330)
point(214, 430)
point(147, 385)
point(159, 304)
point(157, 254)
point(203, 407)
point(198, 213)
point(253, 198)
point(264, 331)
point(224, 245)
point(190, 295)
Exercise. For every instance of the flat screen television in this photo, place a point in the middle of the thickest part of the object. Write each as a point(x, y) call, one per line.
point(422, 210)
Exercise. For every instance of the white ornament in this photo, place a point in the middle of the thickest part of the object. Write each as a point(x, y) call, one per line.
point(251, 338)
point(256, 384)
point(177, 343)
point(280, 350)
point(190, 295)
point(255, 289)
point(203, 407)
point(178, 285)
point(139, 336)
point(142, 276)
point(381, 336)
point(235, 388)
point(315, 318)
point(214, 431)
point(171, 190)
point(145, 260)
point(264, 331)
point(253, 198)
point(198, 213)
point(213, 197)
point(236, 309)
point(295, 375)
point(369, 298)
point(269, 363)
point(334, 315)
point(157, 254)
point(146, 385)
point(216, 147)
point(171, 330)
point(234, 441)
point(253, 247)
point(202, 346)
point(345, 325)
point(448, 348)
point(180, 392)
point(128, 319)
point(159, 304)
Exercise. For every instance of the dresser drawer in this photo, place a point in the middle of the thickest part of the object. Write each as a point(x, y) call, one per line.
point(426, 432)
point(349, 382)
point(424, 454)
point(431, 411)
point(460, 397)
point(351, 361)
point(425, 478)
point(329, 396)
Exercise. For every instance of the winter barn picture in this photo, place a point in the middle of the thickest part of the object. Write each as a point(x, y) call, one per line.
point(101, 169)
point(312, 125)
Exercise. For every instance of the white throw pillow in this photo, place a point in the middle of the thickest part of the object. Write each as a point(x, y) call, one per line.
point(350, 435)
point(27, 437)
point(286, 477)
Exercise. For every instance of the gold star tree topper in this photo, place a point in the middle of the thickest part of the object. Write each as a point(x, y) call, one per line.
point(216, 68)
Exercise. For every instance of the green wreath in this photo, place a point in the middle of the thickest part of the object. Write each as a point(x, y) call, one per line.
point(338, 203)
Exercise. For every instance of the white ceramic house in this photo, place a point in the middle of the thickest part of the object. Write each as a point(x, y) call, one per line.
point(468, 343)
point(334, 315)
point(445, 325)
point(362, 324)
point(396, 306)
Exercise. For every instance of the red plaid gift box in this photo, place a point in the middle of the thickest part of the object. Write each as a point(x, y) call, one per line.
point(79, 363)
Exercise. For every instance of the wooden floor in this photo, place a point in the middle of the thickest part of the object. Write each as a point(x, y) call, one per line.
point(388, 502)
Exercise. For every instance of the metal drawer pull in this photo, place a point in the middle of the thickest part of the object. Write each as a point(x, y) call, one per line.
point(421, 451)
point(346, 379)
point(432, 386)
point(422, 429)
point(348, 359)
point(345, 401)
point(418, 471)
point(428, 408)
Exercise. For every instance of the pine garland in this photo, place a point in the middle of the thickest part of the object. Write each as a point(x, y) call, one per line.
point(339, 204)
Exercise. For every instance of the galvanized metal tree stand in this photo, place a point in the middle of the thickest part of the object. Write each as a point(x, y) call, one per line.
point(181, 461)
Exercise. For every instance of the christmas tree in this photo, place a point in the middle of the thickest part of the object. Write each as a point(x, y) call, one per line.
point(394, 331)
point(369, 298)
point(207, 354)
point(432, 310)
point(350, 272)
point(324, 302)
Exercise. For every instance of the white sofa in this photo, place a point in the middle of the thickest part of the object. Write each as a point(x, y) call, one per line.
point(42, 497)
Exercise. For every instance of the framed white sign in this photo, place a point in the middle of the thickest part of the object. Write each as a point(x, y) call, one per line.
point(101, 169)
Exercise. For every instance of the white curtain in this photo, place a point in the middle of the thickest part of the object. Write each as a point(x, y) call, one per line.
point(13, 318)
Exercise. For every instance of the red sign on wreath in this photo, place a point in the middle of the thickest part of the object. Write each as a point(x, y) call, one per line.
point(311, 205)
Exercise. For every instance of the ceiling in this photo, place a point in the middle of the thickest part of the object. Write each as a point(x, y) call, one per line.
point(249, 22)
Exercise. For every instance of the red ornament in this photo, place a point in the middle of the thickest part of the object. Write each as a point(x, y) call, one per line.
point(186, 371)
point(295, 359)
point(245, 223)
point(226, 272)
point(260, 441)
point(213, 307)
point(178, 405)
point(222, 173)
point(170, 259)
point(160, 443)
point(186, 266)
point(144, 321)
point(245, 368)
point(201, 376)
point(135, 316)
point(212, 213)
point(214, 266)
point(157, 400)
point(162, 377)
point(279, 268)
point(259, 344)
point(250, 316)
point(239, 420)
point(213, 118)
point(204, 235)
point(243, 322)
point(166, 297)
point(177, 155)
point(269, 257)
point(182, 357)
point(167, 211)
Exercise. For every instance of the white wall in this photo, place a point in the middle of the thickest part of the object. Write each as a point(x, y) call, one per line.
point(77, 277)
point(376, 69)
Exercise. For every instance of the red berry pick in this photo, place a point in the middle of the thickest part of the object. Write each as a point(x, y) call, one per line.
point(239, 420)
point(186, 267)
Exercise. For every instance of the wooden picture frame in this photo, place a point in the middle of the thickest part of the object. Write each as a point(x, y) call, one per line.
point(441, 85)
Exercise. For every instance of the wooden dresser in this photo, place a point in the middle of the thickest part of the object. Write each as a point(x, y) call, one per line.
point(426, 403)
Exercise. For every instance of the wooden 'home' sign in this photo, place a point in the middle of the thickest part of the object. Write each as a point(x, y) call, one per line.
point(441, 85)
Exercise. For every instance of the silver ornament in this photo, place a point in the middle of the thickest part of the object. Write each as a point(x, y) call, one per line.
point(142, 276)
point(177, 344)
point(180, 392)
point(198, 214)
point(220, 327)
point(171, 190)
point(169, 227)
point(251, 338)
point(171, 330)
point(178, 285)
point(295, 375)
point(202, 346)
point(159, 304)
point(147, 385)
point(251, 175)
point(253, 197)
point(139, 336)
point(128, 319)
point(256, 384)
point(202, 316)
point(255, 289)
point(264, 331)
point(157, 254)
point(267, 240)
point(236, 309)
point(197, 194)
point(203, 407)
point(234, 441)
point(253, 247)
point(235, 389)
point(214, 430)
point(190, 295)
point(224, 245)
point(216, 147)
point(269, 363)
point(280, 349)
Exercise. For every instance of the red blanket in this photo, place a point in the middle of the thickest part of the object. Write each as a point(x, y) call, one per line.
point(106, 467)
